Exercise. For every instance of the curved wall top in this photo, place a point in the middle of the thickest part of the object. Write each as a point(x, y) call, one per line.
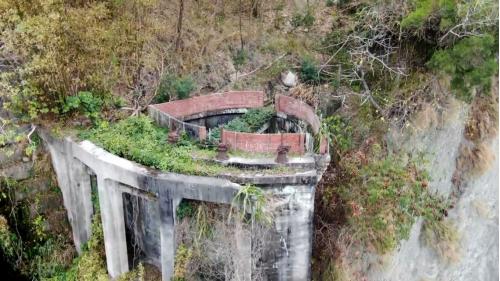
point(298, 109)
point(183, 109)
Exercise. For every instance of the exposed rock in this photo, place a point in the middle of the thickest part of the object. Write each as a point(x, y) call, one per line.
point(289, 79)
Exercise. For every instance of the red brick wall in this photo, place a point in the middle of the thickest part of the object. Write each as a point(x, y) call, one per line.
point(298, 109)
point(213, 102)
point(263, 142)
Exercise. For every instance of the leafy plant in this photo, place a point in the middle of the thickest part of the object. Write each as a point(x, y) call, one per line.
point(445, 10)
point(471, 63)
point(305, 19)
point(240, 58)
point(85, 102)
point(185, 210)
point(309, 71)
point(251, 200)
point(338, 133)
point(249, 122)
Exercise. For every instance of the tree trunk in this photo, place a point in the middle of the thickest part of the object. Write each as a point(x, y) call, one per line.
point(241, 35)
point(179, 25)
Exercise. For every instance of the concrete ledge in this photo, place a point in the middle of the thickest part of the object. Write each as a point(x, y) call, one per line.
point(268, 163)
point(308, 177)
point(165, 120)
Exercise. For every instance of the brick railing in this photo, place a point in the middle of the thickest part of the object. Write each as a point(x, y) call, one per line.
point(299, 110)
point(263, 143)
point(172, 114)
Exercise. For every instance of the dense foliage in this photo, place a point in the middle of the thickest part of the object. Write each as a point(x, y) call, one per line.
point(138, 139)
point(26, 243)
point(383, 196)
point(55, 49)
point(471, 63)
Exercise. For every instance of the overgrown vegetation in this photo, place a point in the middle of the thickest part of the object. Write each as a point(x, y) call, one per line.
point(28, 243)
point(249, 122)
point(384, 196)
point(138, 139)
point(366, 65)
point(207, 237)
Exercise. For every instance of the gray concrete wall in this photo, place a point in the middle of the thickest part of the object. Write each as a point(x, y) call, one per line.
point(161, 193)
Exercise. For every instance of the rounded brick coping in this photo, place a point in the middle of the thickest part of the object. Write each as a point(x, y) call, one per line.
point(298, 109)
point(263, 143)
point(197, 106)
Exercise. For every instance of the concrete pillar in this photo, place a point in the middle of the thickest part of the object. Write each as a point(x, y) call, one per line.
point(167, 232)
point(113, 225)
point(243, 257)
point(81, 197)
point(74, 183)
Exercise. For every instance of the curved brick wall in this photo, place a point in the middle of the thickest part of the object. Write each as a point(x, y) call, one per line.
point(298, 109)
point(172, 114)
point(263, 143)
point(214, 102)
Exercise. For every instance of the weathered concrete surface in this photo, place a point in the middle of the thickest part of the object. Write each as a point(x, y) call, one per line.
point(75, 186)
point(290, 257)
point(160, 195)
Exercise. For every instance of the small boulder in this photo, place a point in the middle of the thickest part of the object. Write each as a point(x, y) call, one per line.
point(289, 79)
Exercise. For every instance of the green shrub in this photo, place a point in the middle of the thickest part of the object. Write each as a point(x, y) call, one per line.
point(249, 122)
point(471, 63)
point(445, 10)
point(184, 86)
point(86, 103)
point(309, 71)
point(240, 58)
point(185, 210)
point(338, 132)
point(171, 85)
point(330, 3)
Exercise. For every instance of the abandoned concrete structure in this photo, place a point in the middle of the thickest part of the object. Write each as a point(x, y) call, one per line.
point(80, 166)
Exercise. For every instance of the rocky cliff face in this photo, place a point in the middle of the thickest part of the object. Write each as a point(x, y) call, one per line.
point(439, 135)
